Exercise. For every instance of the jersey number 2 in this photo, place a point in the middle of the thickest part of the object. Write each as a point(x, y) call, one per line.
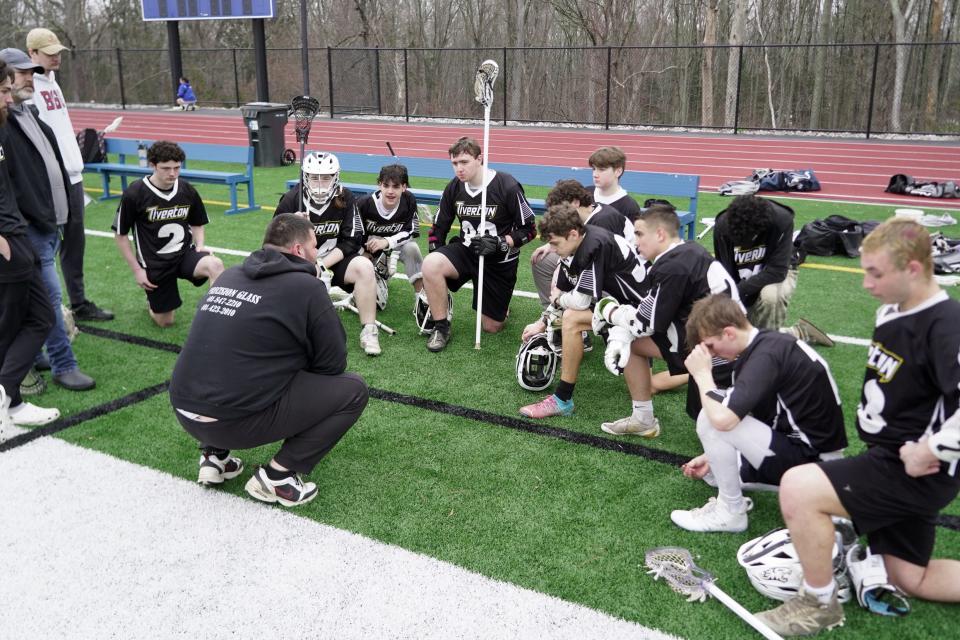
point(176, 234)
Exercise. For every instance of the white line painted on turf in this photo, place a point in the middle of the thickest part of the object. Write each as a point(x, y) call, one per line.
point(96, 547)
point(518, 293)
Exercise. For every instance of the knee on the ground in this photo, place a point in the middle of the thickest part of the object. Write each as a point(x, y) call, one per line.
point(771, 296)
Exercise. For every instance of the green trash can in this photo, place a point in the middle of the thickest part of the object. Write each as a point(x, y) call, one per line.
point(265, 123)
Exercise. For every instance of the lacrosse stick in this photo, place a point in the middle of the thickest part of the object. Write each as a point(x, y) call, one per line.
point(675, 565)
point(483, 90)
point(304, 109)
point(346, 303)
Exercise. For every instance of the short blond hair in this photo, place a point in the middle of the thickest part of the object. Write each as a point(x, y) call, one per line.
point(903, 240)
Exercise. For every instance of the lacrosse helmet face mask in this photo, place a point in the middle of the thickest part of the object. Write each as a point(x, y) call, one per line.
point(421, 312)
point(773, 566)
point(536, 363)
point(314, 166)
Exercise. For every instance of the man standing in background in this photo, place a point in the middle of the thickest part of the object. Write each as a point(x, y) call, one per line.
point(44, 48)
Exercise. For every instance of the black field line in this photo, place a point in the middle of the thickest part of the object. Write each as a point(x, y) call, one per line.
point(604, 444)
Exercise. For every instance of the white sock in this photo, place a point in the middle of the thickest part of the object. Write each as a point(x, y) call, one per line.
point(734, 505)
point(643, 410)
point(822, 594)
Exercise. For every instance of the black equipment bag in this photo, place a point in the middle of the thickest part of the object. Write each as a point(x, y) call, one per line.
point(835, 235)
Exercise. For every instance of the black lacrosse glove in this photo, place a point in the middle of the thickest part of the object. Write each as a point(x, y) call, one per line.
point(486, 245)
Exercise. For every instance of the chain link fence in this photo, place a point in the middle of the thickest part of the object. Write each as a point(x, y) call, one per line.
point(773, 87)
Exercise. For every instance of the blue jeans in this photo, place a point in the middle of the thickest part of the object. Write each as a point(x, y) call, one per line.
point(58, 346)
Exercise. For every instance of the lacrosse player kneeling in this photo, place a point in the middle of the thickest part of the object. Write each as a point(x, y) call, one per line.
point(332, 209)
point(679, 275)
point(782, 410)
point(390, 226)
point(593, 262)
point(894, 491)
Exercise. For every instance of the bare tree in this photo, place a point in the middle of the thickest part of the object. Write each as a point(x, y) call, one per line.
point(738, 27)
point(819, 66)
point(900, 19)
point(711, 12)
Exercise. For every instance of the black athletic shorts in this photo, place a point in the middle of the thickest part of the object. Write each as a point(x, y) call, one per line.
point(787, 453)
point(340, 272)
point(896, 512)
point(499, 279)
point(166, 297)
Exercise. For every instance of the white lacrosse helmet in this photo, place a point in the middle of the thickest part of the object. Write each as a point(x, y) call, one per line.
point(421, 312)
point(739, 188)
point(773, 567)
point(316, 164)
point(536, 363)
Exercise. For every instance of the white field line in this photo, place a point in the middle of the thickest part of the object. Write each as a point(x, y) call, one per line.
point(94, 547)
point(520, 294)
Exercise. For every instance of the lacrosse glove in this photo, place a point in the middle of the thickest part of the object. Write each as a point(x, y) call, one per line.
point(485, 245)
point(617, 355)
point(609, 312)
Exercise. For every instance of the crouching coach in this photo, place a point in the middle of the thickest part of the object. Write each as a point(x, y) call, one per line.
point(265, 361)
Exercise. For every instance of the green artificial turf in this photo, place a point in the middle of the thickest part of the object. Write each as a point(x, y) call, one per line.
point(560, 517)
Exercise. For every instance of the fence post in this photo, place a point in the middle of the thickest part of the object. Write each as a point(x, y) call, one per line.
point(406, 88)
point(736, 105)
point(606, 115)
point(123, 100)
point(376, 55)
point(236, 77)
point(504, 86)
point(330, 78)
point(873, 87)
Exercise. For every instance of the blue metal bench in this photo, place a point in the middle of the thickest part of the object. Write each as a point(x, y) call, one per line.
point(127, 166)
point(671, 185)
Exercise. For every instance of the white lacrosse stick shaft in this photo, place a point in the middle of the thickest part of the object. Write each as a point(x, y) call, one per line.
point(745, 615)
point(483, 201)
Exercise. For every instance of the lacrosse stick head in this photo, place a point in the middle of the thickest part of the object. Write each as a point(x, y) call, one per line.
point(675, 565)
point(483, 84)
point(304, 109)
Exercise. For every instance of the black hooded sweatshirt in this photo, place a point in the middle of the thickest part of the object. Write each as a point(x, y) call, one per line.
point(260, 324)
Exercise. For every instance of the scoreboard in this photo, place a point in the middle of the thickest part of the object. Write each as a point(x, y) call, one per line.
point(207, 9)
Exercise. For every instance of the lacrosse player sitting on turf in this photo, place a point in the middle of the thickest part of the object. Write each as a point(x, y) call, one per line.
point(593, 262)
point(332, 209)
point(390, 223)
point(166, 216)
point(679, 275)
point(894, 491)
point(782, 410)
point(509, 224)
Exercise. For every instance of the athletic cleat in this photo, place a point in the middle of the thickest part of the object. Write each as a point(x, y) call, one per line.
point(631, 426)
point(291, 491)
point(89, 311)
point(803, 615)
point(713, 516)
point(812, 335)
point(214, 470)
point(369, 340)
point(547, 408)
point(33, 384)
point(30, 415)
point(438, 339)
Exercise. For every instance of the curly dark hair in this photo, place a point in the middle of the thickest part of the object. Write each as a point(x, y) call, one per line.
point(568, 191)
point(165, 151)
point(560, 220)
point(748, 217)
point(394, 174)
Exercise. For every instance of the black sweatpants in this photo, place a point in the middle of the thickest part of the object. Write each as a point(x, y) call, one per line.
point(26, 316)
point(72, 247)
point(311, 417)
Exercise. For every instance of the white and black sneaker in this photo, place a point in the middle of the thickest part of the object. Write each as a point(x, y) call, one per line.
point(289, 491)
point(214, 469)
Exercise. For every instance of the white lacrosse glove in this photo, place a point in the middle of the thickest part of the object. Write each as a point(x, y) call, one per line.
point(324, 274)
point(874, 591)
point(609, 312)
point(617, 355)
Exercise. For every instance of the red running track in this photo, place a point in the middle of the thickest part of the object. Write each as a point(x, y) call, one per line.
point(851, 170)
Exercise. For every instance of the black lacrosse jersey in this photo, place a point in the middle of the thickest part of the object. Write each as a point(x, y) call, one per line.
point(621, 201)
point(603, 264)
point(160, 220)
point(508, 213)
point(397, 226)
point(784, 383)
point(604, 215)
point(912, 382)
point(336, 227)
point(764, 260)
point(678, 277)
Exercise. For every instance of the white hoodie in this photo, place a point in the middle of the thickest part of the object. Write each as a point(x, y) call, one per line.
point(52, 109)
